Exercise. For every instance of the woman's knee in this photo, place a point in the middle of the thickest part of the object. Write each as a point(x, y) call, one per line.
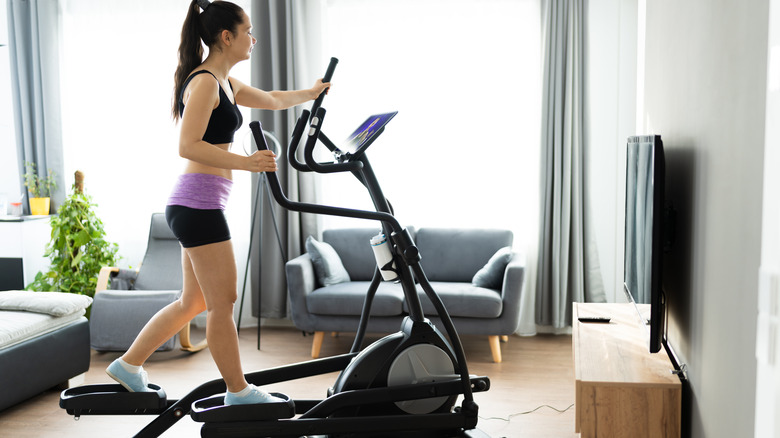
point(222, 302)
point(192, 307)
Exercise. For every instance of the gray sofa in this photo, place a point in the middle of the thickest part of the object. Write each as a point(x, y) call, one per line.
point(450, 259)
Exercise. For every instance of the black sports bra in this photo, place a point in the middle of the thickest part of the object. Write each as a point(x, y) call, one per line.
point(225, 118)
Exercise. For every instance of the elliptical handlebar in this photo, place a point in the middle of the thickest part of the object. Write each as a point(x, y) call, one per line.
point(328, 74)
point(278, 193)
point(308, 150)
point(316, 115)
point(296, 138)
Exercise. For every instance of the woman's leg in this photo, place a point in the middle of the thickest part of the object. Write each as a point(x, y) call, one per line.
point(170, 319)
point(215, 269)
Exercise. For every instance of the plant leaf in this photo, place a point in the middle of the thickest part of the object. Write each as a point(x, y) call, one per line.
point(77, 259)
point(81, 239)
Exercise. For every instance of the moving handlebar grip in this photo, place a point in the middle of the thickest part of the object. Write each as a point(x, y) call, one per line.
point(326, 78)
point(331, 68)
point(257, 133)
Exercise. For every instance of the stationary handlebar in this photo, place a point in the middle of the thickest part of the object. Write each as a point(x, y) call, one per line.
point(296, 138)
point(308, 150)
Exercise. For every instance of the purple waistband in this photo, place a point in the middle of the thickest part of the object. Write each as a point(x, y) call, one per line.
point(201, 190)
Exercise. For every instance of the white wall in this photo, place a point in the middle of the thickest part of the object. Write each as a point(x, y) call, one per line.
point(611, 54)
point(705, 89)
point(768, 338)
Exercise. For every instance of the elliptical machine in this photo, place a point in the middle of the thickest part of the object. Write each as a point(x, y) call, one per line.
point(404, 384)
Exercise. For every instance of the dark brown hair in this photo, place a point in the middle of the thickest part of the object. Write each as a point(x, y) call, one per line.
point(203, 26)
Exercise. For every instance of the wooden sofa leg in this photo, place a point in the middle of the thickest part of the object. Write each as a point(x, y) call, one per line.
point(495, 348)
point(505, 338)
point(316, 345)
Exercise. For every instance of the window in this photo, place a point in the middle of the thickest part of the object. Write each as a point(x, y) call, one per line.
point(117, 64)
point(464, 76)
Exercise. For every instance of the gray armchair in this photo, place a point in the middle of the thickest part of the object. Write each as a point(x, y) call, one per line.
point(119, 313)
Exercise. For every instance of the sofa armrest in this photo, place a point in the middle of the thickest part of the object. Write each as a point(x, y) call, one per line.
point(301, 281)
point(513, 286)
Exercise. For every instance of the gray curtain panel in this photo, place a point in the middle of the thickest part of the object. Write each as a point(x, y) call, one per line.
point(273, 68)
point(33, 28)
point(565, 254)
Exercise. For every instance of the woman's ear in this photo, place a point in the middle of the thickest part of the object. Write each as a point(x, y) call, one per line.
point(226, 37)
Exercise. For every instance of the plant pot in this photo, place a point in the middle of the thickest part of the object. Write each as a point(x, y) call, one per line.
point(39, 206)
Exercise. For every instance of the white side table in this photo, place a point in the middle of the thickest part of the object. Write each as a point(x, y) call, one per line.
point(23, 242)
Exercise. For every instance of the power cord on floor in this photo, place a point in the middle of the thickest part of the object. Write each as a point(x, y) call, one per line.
point(509, 418)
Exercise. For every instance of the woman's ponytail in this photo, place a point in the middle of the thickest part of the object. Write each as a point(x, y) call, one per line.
point(190, 54)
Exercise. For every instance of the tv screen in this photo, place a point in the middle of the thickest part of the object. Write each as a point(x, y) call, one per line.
point(643, 248)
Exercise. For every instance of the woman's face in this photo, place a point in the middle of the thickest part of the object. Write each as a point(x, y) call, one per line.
point(244, 39)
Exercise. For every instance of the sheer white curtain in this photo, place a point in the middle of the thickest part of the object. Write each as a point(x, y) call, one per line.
point(464, 76)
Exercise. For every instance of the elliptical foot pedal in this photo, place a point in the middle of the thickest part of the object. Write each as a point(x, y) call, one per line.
point(214, 410)
point(112, 399)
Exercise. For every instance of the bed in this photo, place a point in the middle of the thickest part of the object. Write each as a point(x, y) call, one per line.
point(44, 341)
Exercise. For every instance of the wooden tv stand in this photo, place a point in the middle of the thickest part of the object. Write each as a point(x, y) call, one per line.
point(621, 389)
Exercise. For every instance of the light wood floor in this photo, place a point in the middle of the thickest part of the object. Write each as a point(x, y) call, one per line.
point(536, 375)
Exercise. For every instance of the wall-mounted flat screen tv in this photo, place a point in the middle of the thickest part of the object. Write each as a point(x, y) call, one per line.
point(643, 251)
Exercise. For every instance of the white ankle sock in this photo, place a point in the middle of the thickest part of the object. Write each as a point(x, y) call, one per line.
point(129, 368)
point(244, 392)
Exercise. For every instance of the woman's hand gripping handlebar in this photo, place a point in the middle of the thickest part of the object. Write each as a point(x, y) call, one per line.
point(304, 118)
point(317, 114)
point(328, 75)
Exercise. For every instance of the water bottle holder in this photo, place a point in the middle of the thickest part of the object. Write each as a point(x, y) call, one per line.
point(389, 267)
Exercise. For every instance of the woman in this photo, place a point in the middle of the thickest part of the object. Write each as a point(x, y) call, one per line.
point(205, 101)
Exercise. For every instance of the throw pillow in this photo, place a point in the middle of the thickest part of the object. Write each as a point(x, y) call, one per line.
point(491, 275)
point(327, 263)
point(52, 303)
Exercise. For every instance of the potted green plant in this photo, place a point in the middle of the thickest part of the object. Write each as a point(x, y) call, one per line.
point(78, 247)
point(40, 189)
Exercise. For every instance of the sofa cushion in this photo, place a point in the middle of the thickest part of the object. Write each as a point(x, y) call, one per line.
point(327, 263)
point(491, 275)
point(462, 300)
point(354, 247)
point(457, 254)
point(346, 299)
point(51, 303)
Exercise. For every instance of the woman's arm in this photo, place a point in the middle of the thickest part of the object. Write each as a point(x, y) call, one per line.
point(201, 99)
point(274, 100)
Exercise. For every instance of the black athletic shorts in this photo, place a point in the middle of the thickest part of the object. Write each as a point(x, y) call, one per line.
point(194, 227)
